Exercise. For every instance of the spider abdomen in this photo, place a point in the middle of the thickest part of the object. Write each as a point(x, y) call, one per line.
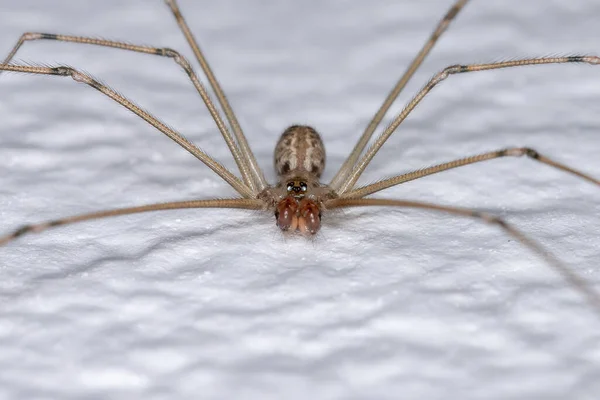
point(300, 148)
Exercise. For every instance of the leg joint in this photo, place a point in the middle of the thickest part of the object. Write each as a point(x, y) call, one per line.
point(491, 219)
point(49, 36)
point(531, 153)
point(519, 152)
point(36, 36)
point(63, 71)
point(455, 69)
point(167, 52)
point(22, 230)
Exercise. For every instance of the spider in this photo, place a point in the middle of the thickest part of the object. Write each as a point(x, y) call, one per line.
point(299, 200)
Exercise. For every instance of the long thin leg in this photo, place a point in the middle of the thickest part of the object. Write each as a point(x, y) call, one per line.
point(437, 78)
point(77, 76)
point(391, 97)
point(241, 162)
point(511, 152)
point(257, 173)
point(572, 278)
point(248, 204)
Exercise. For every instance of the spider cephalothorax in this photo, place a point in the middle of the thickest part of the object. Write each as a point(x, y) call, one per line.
point(298, 197)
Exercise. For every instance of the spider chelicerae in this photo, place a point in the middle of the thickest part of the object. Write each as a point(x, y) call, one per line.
point(299, 200)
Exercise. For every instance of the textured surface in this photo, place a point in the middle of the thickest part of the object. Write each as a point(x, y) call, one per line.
point(216, 303)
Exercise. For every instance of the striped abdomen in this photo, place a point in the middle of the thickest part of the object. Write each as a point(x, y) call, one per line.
point(300, 148)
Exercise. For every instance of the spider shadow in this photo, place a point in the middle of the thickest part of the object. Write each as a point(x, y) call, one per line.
point(568, 274)
point(161, 243)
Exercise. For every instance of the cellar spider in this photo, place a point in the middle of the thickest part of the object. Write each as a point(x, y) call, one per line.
point(299, 200)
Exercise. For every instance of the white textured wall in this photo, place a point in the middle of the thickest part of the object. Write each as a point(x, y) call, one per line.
point(216, 303)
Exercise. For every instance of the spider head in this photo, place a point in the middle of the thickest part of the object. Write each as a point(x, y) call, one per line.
point(297, 200)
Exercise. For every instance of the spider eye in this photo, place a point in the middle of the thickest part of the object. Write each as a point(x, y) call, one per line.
point(303, 186)
point(290, 186)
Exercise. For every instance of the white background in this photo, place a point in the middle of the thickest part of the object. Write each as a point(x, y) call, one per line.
point(217, 303)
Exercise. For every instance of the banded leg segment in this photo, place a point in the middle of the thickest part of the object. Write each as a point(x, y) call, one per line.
point(393, 95)
point(511, 152)
point(572, 278)
point(77, 76)
point(248, 204)
point(241, 162)
point(360, 166)
point(247, 153)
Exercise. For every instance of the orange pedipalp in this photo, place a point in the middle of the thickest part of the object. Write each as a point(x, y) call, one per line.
point(286, 214)
point(303, 215)
point(309, 217)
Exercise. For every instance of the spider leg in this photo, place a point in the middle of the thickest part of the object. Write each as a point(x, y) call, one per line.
point(241, 161)
point(572, 278)
point(248, 204)
point(510, 152)
point(391, 97)
point(360, 166)
point(77, 76)
point(247, 153)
